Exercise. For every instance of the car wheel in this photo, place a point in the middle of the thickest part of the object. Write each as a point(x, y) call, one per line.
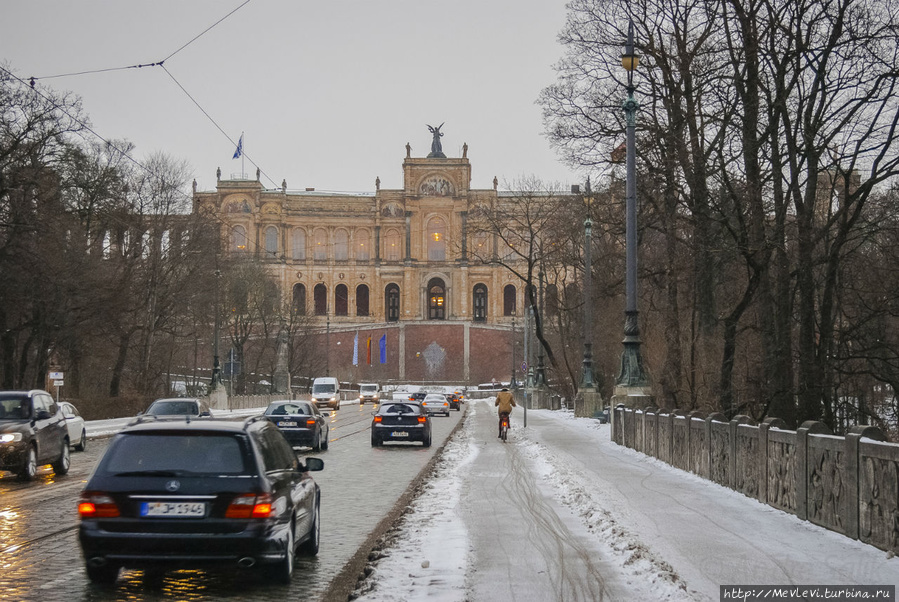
point(83, 443)
point(427, 441)
point(310, 546)
point(375, 442)
point(282, 570)
point(325, 442)
point(29, 466)
point(106, 574)
point(317, 443)
point(61, 466)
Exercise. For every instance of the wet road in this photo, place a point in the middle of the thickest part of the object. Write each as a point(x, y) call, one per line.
point(40, 558)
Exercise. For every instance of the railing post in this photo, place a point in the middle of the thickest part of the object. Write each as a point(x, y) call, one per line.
point(852, 469)
point(809, 427)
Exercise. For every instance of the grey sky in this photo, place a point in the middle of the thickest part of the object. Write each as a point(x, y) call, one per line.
point(327, 93)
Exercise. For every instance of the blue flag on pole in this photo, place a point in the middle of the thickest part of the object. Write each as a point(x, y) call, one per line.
point(239, 151)
point(383, 344)
point(356, 349)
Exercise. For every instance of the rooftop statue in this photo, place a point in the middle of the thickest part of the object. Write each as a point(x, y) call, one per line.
point(436, 147)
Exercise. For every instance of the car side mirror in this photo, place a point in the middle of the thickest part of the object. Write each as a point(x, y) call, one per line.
point(43, 415)
point(206, 414)
point(314, 464)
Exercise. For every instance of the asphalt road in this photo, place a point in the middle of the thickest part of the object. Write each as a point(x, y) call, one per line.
point(40, 559)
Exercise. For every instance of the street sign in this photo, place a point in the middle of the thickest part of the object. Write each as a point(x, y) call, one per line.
point(57, 383)
point(56, 376)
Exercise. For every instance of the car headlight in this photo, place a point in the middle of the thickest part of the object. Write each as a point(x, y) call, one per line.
point(10, 437)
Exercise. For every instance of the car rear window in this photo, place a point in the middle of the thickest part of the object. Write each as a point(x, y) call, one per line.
point(178, 453)
point(288, 408)
point(399, 408)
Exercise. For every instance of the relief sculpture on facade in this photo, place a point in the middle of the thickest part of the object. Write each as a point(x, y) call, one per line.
point(825, 488)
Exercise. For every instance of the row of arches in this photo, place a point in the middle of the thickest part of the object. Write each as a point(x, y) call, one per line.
point(342, 245)
point(436, 300)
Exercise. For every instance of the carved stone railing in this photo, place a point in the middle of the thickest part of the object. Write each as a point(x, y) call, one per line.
point(846, 484)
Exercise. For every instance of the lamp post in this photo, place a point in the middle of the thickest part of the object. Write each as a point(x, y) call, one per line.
point(216, 380)
point(632, 373)
point(541, 370)
point(512, 343)
point(587, 382)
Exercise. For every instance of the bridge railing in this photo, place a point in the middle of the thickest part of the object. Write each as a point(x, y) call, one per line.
point(848, 484)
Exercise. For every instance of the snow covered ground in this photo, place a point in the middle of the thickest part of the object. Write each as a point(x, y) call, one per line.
point(629, 527)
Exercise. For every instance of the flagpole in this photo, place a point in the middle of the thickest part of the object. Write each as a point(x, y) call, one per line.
point(243, 173)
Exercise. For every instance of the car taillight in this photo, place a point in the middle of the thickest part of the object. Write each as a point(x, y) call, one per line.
point(97, 505)
point(422, 418)
point(310, 422)
point(250, 505)
point(378, 419)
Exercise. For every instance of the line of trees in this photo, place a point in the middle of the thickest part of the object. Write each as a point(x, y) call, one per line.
point(107, 272)
point(767, 163)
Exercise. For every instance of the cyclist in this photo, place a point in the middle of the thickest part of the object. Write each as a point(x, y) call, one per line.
point(505, 403)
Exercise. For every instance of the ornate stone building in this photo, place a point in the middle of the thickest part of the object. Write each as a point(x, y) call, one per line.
point(394, 263)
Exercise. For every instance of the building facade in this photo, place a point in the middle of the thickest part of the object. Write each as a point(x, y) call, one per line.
point(399, 264)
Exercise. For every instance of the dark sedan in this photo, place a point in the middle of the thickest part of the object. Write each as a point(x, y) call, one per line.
point(301, 423)
point(399, 421)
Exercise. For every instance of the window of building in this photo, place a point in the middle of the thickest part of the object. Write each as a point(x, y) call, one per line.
point(341, 245)
point(392, 302)
point(551, 300)
point(362, 300)
point(509, 300)
point(436, 299)
point(436, 239)
point(320, 297)
point(480, 247)
point(239, 238)
point(392, 246)
point(479, 303)
point(271, 241)
point(320, 248)
point(362, 245)
point(507, 246)
point(299, 299)
point(299, 243)
point(341, 300)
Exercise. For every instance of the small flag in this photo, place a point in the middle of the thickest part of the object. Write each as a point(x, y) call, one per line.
point(239, 151)
point(383, 344)
point(368, 348)
point(356, 349)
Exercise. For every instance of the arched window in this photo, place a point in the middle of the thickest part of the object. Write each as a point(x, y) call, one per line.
point(436, 299)
point(341, 245)
point(299, 299)
point(551, 301)
point(239, 239)
point(436, 239)
point(392, 302)
point(362, 300)
point(392, 246)
point(320, 248)
point(271, 242)
point(362, 245)
point(299, 243)
point(480, 247)
point(479, 303)
point(509, 300)
point(320, 294)
point(341, 299)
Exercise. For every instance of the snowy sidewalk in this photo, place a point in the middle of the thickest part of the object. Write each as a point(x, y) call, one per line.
point(562, 513)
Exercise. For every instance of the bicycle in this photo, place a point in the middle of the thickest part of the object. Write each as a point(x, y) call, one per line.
point(504, 426)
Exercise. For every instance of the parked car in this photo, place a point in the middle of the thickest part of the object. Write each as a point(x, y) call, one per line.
point(178, 406)
point(75, 425)
point(400, 421)
point(223, 495)
point(369, 392)
point(436, 403)
point(301, 423)
point(32, 433)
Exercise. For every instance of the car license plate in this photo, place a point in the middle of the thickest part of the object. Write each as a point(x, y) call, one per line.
point(399, 434)
point(173, 509)
point(287, 423)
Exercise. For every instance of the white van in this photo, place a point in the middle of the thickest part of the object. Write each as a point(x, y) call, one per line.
point(369, 392)
point(326, 392)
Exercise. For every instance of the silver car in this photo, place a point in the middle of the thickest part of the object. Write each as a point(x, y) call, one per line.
point(436, 403)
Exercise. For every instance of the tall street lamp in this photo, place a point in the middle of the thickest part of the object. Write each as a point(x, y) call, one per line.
point(512, 343)
point(632, 373)
point(216, 380)
point(587, 382)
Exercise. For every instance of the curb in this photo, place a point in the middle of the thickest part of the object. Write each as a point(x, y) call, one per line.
point(345, 582)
